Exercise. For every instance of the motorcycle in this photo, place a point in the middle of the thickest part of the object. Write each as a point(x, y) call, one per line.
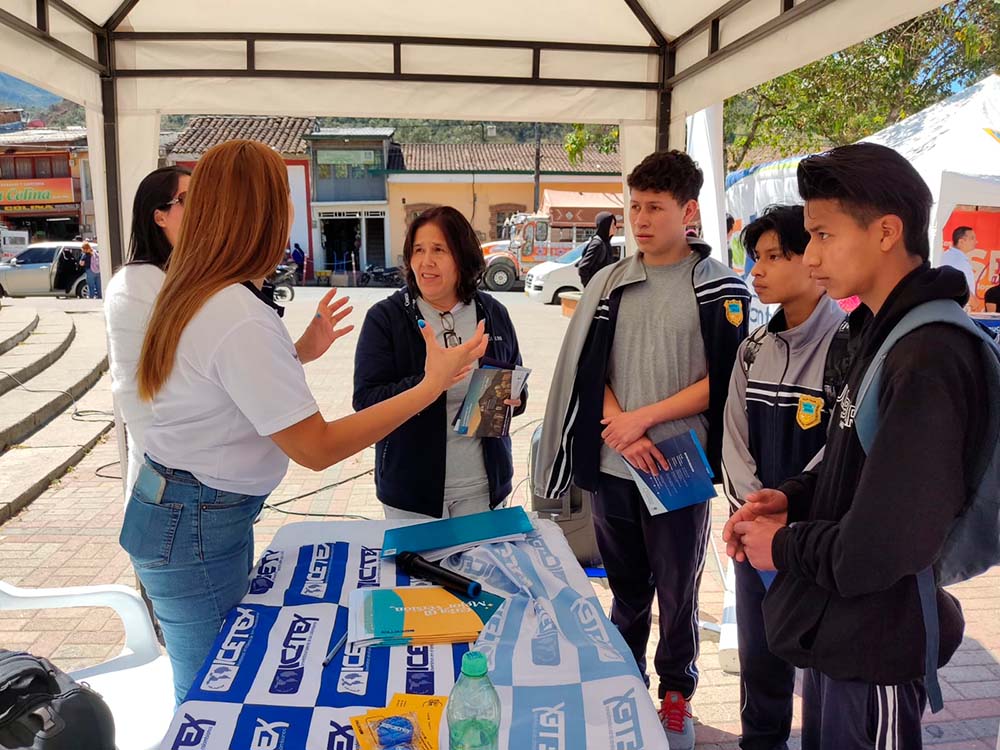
point(283, 281)
point(380, 275)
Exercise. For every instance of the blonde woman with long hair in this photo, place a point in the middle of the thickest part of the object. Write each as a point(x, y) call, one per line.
point(230, 401)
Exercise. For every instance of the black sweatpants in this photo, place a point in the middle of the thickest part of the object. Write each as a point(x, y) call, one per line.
point(840, 715)
point(646, 554)
point(767, 683)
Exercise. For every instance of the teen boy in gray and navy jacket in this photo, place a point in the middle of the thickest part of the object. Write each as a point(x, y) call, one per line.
point(647, 356)
point(781, 394)
point(845, 604)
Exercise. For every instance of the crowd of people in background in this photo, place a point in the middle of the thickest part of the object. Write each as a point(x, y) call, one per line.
point(828, 533)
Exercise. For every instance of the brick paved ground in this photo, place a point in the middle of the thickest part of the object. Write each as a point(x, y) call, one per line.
point(69, 537)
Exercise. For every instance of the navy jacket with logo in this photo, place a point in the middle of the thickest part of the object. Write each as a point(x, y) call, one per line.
point(410, 461)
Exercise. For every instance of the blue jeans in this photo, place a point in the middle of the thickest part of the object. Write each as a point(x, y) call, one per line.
point(192, 548)
point(93, 284)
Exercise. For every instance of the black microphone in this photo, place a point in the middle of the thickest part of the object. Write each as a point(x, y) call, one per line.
point(414, 565)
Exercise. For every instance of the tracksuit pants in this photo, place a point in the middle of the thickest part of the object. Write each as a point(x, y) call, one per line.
point(646, 554)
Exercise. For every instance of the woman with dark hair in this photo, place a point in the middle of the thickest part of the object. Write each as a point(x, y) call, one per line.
point(156, 222)
point(424, 468)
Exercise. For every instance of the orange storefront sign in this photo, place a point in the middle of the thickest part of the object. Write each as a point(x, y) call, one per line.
point(25, 192)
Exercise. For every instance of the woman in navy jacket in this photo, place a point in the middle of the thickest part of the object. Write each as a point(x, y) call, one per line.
point(424, 468)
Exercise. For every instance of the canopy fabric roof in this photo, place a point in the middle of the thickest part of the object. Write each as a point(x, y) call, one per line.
point(644, 64)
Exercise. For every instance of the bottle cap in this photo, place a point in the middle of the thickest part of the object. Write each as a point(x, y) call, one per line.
point(474, 664)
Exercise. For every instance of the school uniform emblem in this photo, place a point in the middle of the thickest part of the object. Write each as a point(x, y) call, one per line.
point(810, 412)
point(734, 311)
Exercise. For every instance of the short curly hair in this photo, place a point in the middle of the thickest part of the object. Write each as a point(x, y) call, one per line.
point(463, 243)
point(671, 172)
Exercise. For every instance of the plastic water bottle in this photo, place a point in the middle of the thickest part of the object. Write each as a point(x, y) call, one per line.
point(473, 707)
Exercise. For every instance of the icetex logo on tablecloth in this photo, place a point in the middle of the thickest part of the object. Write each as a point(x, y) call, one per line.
point(269, 736)
point(419, 670)
point(227, 660)
point(193, 733)
point(294, 649)
point(267, 571)
point(341, 737)
point(319, 571)
point(549, 728)
point(368, 571)
point(623, 718)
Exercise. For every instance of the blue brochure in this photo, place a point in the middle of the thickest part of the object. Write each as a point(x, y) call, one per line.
point(687, 481)
point(435, 540)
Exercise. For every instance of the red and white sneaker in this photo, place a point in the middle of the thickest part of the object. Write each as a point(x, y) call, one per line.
point(675, 716)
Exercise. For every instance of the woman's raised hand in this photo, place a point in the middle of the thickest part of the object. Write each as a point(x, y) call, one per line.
point(443, 367)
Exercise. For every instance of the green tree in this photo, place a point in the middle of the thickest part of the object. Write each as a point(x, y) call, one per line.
point(854, 93)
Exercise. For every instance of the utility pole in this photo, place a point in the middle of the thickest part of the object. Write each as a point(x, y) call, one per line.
point(538, 161)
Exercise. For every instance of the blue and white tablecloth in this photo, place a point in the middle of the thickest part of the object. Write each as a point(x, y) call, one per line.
point(565, 677)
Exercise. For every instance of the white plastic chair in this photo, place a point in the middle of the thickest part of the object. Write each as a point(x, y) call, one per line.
point(138, 683)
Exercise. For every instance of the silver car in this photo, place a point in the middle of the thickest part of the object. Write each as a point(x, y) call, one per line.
point(36, 271)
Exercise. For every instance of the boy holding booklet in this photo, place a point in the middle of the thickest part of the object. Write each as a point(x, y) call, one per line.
point(781, 395)
point(648, 356)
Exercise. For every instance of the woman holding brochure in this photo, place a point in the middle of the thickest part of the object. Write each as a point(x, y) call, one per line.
point(425, 468)
point(230, 400)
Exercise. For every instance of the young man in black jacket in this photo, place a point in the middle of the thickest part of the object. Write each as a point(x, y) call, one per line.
point(849, 538)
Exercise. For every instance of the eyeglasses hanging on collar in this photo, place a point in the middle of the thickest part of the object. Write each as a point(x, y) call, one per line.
point(451, 338)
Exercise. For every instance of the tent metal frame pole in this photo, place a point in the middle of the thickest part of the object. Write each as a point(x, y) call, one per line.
point(716, 54)
point(426, 41)
point(21, 26)
point(109, 109)
point(371, 76)
point(665, 69)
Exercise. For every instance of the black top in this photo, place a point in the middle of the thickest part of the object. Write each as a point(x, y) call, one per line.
point(993, 296)
point(845, 600)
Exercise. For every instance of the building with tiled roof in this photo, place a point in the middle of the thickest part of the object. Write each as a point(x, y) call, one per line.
point(356, 190)
point(502, 157)
point(285, 135)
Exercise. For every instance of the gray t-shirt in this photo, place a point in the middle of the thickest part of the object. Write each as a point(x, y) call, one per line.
point(465, 470)
point(658, 351)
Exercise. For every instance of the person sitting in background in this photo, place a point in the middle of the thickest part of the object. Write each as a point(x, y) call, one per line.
point(992, 298)
point(424, 469)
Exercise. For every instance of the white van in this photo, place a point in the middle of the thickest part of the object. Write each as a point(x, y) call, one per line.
point(12, 242)
point(546, 281)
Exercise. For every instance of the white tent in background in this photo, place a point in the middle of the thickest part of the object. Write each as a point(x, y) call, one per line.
point(954, 145)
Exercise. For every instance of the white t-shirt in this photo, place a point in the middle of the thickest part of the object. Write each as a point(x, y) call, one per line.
point(957, 259)
point(236, 380)
point(128, 303)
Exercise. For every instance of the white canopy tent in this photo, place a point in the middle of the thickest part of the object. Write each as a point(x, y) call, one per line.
point(645, 64)
point(954, 145)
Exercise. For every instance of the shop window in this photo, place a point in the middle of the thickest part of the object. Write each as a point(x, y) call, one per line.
point(60, 166)
point(43, 167)
point(7, 171)
point(24, 168)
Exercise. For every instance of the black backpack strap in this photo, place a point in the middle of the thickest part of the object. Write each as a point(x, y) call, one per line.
point(927, 588)
point(754, 341)
point(838, 363)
